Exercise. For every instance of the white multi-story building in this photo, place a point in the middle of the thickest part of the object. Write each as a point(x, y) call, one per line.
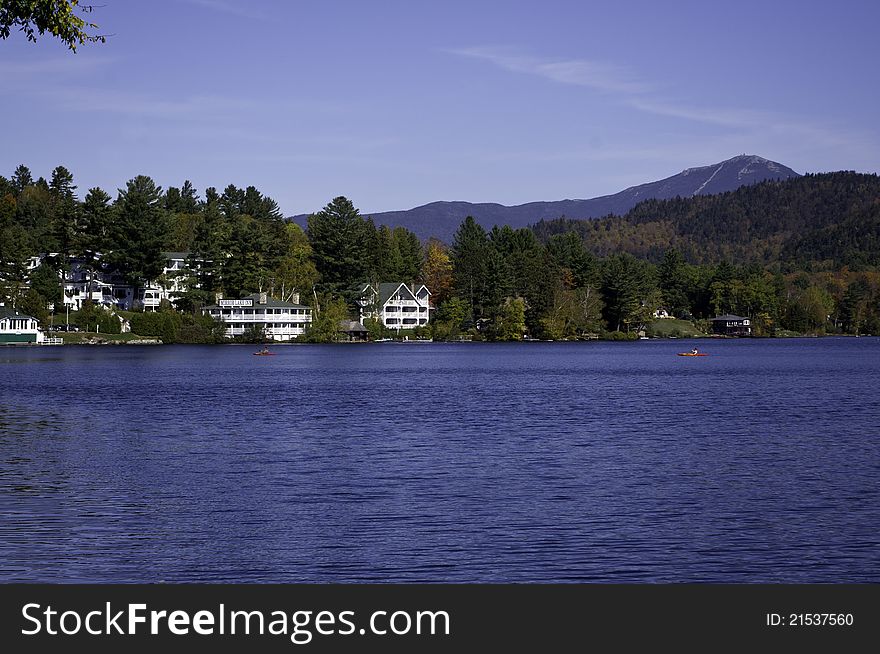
point(279, 321)
point(110, 289)
point(396, 305)
point(172, 281)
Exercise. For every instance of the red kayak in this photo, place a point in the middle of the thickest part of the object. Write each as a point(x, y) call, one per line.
point(691, 354)
point(264, 354)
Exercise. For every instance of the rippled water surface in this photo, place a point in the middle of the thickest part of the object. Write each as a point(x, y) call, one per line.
point(433, 462)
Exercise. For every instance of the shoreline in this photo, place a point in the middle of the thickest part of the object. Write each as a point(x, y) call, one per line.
point(141, 342)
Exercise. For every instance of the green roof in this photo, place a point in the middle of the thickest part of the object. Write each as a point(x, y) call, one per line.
point(9, 312)
point(387, 289)
point(271, 303)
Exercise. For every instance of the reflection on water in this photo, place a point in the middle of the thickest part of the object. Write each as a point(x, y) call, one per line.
point(467, 462)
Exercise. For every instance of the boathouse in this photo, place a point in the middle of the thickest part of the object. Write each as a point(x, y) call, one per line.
point(16, 327)
point(730, 325)
point(352, 330)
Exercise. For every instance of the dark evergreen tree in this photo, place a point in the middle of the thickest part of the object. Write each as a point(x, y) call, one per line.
point(21, 178)
point(673, 281)
point(139, 231)
point(625, 284)
point(337, 237)
point(469, 255)
point(64, 206)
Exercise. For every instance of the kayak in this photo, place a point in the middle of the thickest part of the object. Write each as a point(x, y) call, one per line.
point(264, 354)
point(691, 354)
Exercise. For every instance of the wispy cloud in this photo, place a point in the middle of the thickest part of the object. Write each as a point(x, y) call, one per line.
point(594, 74)
point(629, 89)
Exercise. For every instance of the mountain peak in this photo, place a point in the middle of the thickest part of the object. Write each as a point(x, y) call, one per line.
point(441, 219)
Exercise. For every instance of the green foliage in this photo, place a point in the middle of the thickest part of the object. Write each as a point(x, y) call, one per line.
point(449, 319)
point(295, 271)
point(64, 211)
point(576, 264)
point(673, 282)
point(437, 271)
point(338, 237)
point(509, 323)
point(252, 334)
point(197, 328)
point(811, 222)
point(15, 248)
point(175, 327)
point(140, 228)
point(95, 318)
point(621, 336)
point(44, 281)
point(376, 330)
point(572, 313)
point(326, 316)
point(626, 282)
point(469, 255)
point(95, 225)
point(808, 312)
point(697, 257)
point(60, 18)
point(35, 305)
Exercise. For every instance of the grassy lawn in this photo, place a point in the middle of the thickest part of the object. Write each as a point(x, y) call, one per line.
point(673, 327)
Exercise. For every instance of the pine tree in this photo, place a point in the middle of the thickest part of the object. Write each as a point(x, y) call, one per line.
point(337, 236)
point(470, 250)
point(139, 232)
point(64, 211)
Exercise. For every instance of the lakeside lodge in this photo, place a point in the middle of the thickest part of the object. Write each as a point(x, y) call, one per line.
point(730, 325)
point(396, 305)
point(278, 320)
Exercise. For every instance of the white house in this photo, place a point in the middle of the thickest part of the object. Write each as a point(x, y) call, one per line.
point(396, 305)
point(109, 288)
point(280, 321)
point(16, 327)
point(172, 281)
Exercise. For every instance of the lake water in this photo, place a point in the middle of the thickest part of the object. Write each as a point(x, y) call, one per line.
point(545, 462)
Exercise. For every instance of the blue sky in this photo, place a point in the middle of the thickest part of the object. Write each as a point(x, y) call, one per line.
point(396, 104)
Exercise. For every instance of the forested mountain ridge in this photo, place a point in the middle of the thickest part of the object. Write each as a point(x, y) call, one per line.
point(822, 221)
point(441, 219)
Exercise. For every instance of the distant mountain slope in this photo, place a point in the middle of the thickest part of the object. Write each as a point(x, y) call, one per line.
point(441, 219)
point(820, 221)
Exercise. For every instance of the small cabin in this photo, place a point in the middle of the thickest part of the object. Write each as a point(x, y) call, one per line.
point(16, 327)
point(730, 325)
point(352, 330)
